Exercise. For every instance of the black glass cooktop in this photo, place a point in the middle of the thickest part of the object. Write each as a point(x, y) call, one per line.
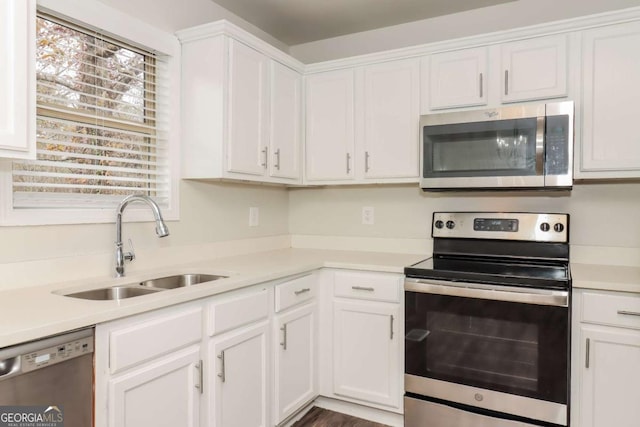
point(512, 272)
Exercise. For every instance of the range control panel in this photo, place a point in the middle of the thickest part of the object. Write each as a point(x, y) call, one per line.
point(538, 227)
point(56, 354)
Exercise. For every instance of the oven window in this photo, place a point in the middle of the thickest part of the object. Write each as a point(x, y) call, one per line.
point(508, 347)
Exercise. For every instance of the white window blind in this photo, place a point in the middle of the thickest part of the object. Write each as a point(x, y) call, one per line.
point(102, 127)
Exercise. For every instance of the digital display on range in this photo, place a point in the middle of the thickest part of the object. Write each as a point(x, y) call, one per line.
point(495, 224)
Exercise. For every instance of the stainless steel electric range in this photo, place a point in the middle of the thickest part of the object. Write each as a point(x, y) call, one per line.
point(487, 322)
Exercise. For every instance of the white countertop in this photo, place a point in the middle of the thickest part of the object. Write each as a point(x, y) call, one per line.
point(34, 312)
point(606, 277)
point(37, 311)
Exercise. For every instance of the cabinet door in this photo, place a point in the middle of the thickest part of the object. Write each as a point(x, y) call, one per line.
point(610, 380)
point(239, 378)
point(367, 352)
point(611, 89)
point(163, 393)
point(248, 109)
point(295, 364)
point(458, 78)
point(17, 103)
point(391, 104)
point(286, 115)
point(534, 69)
point(330, 126)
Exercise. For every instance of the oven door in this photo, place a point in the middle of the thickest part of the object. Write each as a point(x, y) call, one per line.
point(498, 348)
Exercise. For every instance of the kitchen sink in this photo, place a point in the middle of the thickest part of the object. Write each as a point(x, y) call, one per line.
point(145, 287)
point(114, 293)
point(180, 280)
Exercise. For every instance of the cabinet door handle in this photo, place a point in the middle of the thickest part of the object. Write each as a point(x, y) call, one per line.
point(348, 163)
point(481, 88)
point(200, 384)
point(366, 161)
point(586, 357)
point(506, 82)
point(362, 288)
point(628, 313)
point(222, 375)
point(391, 328)
point(302, 291)
point(277, 154)
point(265, 152)
point(284, 336)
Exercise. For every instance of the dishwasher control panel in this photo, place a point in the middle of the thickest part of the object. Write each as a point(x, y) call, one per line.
point(56, 354)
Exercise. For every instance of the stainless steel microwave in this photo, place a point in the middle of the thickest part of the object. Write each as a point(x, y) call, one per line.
point(515, 147)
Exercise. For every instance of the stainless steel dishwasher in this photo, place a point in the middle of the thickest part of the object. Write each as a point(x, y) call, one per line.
point(54, 372)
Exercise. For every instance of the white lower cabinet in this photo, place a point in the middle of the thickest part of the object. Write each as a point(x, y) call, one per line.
point(148, 369)
point(295, 360)
point(164, 393)
point(239, 378)
point(607, 341)
point(366, 351)
point(251, 357)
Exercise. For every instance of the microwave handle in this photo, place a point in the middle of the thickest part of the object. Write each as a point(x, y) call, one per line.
point(540, 125)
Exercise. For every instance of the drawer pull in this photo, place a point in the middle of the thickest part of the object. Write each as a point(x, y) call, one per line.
point(628, 313)
point(302, 291)
point(362, 288)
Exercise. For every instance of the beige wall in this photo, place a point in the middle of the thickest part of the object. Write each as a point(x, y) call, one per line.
point(481, 21)
point(601, 214)
point(210, 212)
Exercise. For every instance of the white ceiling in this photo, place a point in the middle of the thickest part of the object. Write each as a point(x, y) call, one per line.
point(300, 21)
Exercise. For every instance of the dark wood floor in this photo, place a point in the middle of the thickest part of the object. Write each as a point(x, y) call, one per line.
point(318, 417)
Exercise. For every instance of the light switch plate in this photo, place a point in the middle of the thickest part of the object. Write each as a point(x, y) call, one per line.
point(254, 217)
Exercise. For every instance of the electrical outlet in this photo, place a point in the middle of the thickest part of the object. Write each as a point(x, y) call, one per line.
point(254, 217)
point(367, 215)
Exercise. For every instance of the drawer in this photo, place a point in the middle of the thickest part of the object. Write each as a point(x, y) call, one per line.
point(611, 309)
point(369, 286)
point(241, 310)
point(295, 291)
point(152, 338)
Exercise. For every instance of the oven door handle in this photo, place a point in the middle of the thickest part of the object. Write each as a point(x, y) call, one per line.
point(489, 292)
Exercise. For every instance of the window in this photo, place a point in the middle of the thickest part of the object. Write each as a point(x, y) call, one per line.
point(105, 124)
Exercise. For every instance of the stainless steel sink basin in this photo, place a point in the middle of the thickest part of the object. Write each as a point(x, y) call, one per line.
point(114, 293)
point(180, 280)
point(146, 287)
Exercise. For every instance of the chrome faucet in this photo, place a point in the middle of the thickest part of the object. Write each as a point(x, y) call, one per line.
point(161, 228)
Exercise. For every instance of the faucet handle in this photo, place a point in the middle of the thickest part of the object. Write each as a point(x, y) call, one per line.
point(131, 255)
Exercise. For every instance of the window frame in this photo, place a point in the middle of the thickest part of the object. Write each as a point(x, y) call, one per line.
point(94, 15)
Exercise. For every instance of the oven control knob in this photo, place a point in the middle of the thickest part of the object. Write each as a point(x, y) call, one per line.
point(558, 227)
point(545, 226)
point(450, 225)
point(439, 224)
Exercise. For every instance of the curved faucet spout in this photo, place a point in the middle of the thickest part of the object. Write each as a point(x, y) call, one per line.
point(161, 228)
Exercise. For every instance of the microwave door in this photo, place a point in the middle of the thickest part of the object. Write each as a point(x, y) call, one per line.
point(489, 154)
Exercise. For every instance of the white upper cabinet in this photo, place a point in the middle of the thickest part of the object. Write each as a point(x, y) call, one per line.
point(362, 124)
point(534, 68)
point(390, 103)
point(455, 79)
point(248, 110)
point(241, 109)
point(330, 126)
point(610, 109)
point(17, 78)
point(286, 127)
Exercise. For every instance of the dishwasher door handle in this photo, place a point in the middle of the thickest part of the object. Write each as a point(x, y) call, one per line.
point(9, 367)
